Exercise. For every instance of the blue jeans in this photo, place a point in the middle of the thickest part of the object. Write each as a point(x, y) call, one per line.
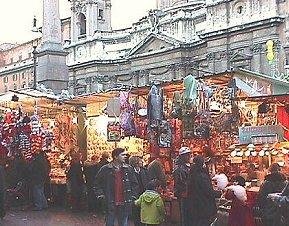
point(39, 198)
point(120, 214)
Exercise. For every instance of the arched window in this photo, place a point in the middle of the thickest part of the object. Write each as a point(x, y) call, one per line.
point(82, 24)
point(15, 86)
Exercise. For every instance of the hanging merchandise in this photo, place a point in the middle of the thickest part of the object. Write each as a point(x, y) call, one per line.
point(176, 126)
point(165, 135)
point(65, 131)
point(47, 140)
point(3, 148)
point(191, 93)
point(189, 107)
point(126, 115)
point(177, 108)
point(189, 123)
point(155, 107)
point(140, 113)
point(9, 132)
point(35, 137)
point(24, 138)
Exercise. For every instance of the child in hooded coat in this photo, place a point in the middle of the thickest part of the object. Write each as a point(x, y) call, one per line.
point(152, 206)
point(240, 213)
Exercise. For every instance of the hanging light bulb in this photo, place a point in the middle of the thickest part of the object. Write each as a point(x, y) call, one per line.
point(247, 153)
point(266, 147)
point(262, 153)
point(254, 153)
point(274, 152)
point(267, 153)
point(233, 153)
point(251, 147)
point(239, 152)
point(285, 151)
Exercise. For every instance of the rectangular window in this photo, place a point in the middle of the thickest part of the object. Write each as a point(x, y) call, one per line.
point(100, 14)
point(23, 75)
point(11, 60)
point(5, 79)
point(20, 58)
point(15, 77)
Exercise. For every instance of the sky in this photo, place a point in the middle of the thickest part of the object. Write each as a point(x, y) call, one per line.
point(16, 16)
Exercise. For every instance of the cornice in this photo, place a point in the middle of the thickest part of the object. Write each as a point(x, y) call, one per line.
point(261, 23)
point(15, 69)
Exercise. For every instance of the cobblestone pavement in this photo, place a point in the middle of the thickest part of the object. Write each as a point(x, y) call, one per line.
point(51, 217)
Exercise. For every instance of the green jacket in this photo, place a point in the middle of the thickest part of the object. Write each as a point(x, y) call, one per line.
point(152, 207)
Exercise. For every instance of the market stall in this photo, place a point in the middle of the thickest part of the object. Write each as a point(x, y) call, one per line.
point(34, 121)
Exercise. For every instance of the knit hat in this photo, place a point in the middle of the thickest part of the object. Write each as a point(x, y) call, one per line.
point(184, 150)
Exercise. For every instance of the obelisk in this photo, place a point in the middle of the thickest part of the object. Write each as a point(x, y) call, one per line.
point(52, 70)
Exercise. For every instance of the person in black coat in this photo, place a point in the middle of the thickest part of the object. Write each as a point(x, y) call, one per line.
point(75, 177)
point(2, 192)
point(274, 183)
point(103, 160)
point(201, 194)
point(180, 175)
point(117, 183)
point(39, 171)
point(282, 201)
point(90, 171)
point(142, 180)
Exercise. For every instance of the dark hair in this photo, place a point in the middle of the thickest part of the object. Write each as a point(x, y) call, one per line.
point(153, 184)
point(116, 152)
point(274, 168)
point(199, 161)
point(240, 180)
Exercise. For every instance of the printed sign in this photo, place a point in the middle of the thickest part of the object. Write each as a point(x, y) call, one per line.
point(113, 131)
point(261, 134)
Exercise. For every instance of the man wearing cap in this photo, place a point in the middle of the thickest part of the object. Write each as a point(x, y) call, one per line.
point(180, 175)
point(117, 182)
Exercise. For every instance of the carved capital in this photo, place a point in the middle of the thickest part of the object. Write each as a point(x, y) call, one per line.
point(211, 56)
point(256, 48)
point(144, 72)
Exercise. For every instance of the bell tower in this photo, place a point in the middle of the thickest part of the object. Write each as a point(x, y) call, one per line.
point(88, 16)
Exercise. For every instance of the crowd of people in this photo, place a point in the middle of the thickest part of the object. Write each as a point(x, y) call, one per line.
point(124, 189)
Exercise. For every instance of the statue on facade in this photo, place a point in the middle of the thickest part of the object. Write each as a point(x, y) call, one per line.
point(154, 20)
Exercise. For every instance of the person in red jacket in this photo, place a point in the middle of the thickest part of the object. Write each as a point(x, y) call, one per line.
point(240, 213)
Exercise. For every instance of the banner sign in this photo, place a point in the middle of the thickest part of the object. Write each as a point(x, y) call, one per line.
point(261, 134)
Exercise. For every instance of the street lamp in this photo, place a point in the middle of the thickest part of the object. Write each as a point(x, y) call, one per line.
point(34, 53)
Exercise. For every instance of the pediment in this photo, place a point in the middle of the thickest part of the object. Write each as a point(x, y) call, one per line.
point(154, 43)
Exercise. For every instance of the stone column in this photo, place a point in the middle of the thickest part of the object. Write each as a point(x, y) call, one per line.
point(51, 29)
point(73, 24)
point(52, 70)
point(107, 14)
point(89, 19)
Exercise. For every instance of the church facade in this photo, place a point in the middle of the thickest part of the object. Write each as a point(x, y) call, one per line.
point(179, 37)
